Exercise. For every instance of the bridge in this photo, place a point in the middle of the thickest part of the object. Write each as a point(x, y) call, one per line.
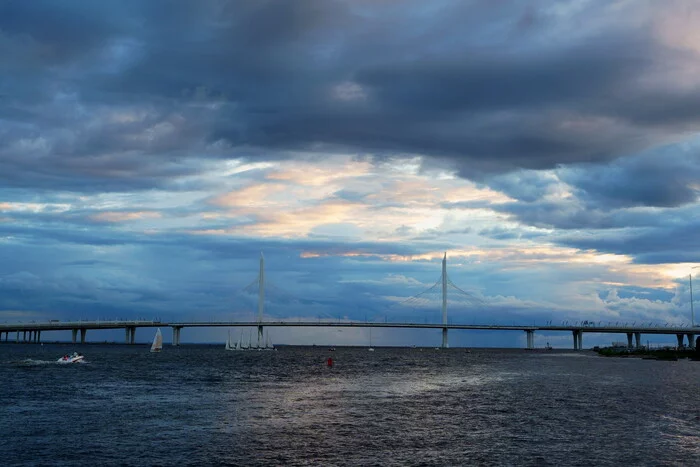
point(31, 332)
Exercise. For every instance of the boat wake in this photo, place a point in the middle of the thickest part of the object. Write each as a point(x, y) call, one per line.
point(33, 362)
point(63, 362)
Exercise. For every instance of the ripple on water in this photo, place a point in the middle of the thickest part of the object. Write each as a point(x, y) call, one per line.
point(203, 406)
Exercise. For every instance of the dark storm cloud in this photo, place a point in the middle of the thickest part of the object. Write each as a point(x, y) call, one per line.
point(654, 189)
point(670, 243)
point(528, 186)
point(572, 215)
point(114, 95)
point(666, 178)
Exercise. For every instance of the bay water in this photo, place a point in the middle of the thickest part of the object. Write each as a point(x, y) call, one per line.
point(202, 405)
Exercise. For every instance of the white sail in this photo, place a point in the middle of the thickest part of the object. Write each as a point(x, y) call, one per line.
point(157, 345)
point(228, 343)
point(250, 342)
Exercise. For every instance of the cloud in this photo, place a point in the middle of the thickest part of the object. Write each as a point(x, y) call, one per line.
point(665, 178)
point(132, 93)
point(112, 216)
point(150, 150)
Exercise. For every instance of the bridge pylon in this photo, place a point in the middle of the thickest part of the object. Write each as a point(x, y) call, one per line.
point(261, 298)
point(445, 343)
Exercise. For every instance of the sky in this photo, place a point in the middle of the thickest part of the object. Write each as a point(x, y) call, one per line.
point(150, 151)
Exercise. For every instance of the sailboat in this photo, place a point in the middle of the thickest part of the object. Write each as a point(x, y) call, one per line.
point(268, 345)
point(250, 342)
point(371, 349)
point(229, 346)
point(157, 345)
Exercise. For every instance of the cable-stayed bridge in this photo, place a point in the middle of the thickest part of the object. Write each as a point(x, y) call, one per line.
point(31, 332)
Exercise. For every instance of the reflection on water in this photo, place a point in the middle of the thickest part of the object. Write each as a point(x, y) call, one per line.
point(200, 405)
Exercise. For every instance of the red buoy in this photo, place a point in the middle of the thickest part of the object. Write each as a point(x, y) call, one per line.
point(329, 362)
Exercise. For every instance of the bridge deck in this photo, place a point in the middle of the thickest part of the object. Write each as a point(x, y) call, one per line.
point(120, 324)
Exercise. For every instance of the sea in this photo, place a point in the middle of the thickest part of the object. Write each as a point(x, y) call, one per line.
point(202, 405)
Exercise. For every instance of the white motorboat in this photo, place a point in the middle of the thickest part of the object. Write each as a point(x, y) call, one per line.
point(74, 358)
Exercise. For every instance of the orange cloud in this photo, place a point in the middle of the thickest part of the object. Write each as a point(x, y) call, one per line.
point(251, 196)
point(116, 216)
point(313, 175)
point(303, 221)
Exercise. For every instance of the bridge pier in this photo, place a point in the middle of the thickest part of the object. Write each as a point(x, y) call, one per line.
point(130, 334)
point(261, 339)
point(638, 340)
point(445, 344)
point(83, 333)
point(629, 340)
point(74, 335)
point(575, 334)
point(691, 341)
point(24, 337)
point(38, 337)
point(17, 338)
point(530, 339)
point(176, 335)
point(680, 340)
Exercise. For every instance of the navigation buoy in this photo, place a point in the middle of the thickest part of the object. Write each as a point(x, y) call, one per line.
point(329, 362)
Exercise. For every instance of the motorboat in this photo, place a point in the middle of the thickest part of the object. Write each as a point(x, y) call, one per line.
point(75, 357)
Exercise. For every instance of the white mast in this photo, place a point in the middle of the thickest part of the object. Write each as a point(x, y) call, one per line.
point(261, 297)
point(444, 301)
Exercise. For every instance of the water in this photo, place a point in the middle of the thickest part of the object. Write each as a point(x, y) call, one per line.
point(201, 405)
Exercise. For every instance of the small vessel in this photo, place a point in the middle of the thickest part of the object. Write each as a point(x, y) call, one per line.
point(157, 345)
point(252, 346)
point(548, 347)
point(74, 358)
point(268, 345)
point(230, 346)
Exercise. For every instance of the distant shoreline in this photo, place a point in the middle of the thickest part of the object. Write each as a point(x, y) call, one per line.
point(667, 354)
